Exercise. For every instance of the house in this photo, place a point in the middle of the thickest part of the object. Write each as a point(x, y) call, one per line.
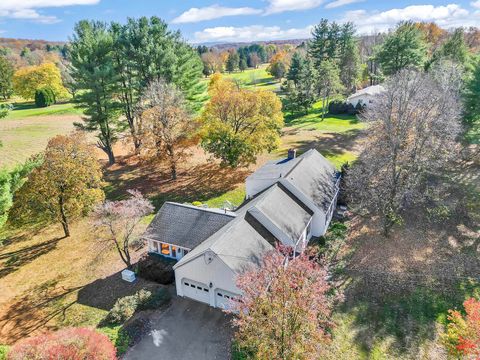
point(365, 96)
point(213, 246)
point(311, 177)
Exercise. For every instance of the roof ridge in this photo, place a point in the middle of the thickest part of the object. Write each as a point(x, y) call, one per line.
point(210, 210)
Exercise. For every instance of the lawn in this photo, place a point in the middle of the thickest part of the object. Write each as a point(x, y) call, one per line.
point(28, 109)
point(255, 78)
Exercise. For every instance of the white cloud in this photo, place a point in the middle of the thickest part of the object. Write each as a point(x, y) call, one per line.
point(250, 33)
point(446, 16)
point(278, 6)
point(212, 12)
point(25, 9)
point(338, 3)
point(475, 4)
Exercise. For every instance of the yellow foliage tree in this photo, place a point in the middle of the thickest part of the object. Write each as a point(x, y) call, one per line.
point(66, 186)
point(239, 124)
point(30, 78)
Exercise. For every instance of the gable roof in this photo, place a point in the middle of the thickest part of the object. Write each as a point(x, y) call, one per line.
point(274, 169)
point(186, 225)
point(369, 90)
point(315, 177)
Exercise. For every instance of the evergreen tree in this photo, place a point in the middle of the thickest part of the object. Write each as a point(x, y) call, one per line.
point(302, 95)
point(243, 64)
point(6, 76)
point(232, 61)
point(348, 57)
point(296, 65)
point(471, 97)
point(454, 48)
point(403, 48)
point(92, 58)
point(328, 83)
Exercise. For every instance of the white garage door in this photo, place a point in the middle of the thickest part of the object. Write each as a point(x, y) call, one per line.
point(223, 299)
point(196, 290)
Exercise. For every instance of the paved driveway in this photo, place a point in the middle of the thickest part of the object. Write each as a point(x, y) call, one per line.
point(187, 330)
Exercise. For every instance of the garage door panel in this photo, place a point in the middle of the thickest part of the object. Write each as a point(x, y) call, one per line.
point(196, 290)
point(223, 299)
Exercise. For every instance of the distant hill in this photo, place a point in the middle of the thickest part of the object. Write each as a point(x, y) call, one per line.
point(236, 45)
point(19, 44)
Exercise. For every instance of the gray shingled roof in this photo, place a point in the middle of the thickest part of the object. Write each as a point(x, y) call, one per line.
point(315, 176)
point(185, 225)
point(274, 169)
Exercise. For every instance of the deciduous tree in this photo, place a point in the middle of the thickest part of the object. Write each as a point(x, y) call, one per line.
point(284, 311)
point(116, 223)
point(167, 126)
point(64, 187)
point(462, 338)
point(28, 79)
point(412, 130)
point(6, 78)
point(238, 124)
point(279, 65)
point(327, 83)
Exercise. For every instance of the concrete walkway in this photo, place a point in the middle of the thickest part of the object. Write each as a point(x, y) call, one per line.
point(187, 330)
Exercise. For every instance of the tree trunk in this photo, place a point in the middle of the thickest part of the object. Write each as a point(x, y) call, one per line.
point(63, 218)
point(173, 162)
point(111, 157)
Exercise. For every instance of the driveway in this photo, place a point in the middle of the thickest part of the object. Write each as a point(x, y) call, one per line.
point(187, 330)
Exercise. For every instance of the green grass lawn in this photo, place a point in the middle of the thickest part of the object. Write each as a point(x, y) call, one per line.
point(235, 197)
point(255, 78)
point(28, 109)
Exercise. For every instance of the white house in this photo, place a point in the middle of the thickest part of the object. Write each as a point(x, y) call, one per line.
point(366, 96)
point(213, 246)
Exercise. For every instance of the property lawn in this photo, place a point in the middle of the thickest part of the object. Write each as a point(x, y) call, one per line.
point(255, 78)
point(28, 109)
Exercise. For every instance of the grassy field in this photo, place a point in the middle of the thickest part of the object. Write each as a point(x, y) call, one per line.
point(255, 78)
point(28, 109)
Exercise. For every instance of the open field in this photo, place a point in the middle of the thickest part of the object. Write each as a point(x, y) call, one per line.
point(255, 78)
point(28, 109)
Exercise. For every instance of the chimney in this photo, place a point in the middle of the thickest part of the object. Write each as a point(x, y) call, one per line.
point(292, 154)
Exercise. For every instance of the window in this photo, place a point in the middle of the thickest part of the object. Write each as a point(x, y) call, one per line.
point(185, 252)
point(187, 284)
point(206, 290)
point(165, 249)
point(154, 246)
point(174, 252)
point(199, 287)
point(219, 294)
point(193, 286)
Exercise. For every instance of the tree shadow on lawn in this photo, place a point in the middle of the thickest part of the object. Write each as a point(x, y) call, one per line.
point(14, 260)
point(195, 183)
point(405, 294)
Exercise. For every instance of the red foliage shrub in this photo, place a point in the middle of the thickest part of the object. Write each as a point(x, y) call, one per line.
point(67, 344)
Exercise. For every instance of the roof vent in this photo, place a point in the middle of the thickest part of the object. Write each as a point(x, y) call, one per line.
point(292, 154)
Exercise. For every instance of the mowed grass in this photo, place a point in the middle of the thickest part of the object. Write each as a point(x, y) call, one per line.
point(255, 78)
point(28, 109)
point(234, 197)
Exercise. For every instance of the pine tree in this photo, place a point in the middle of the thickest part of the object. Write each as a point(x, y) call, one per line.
point(471, 96)
point(243, 64)
point(296, 65)
point(6, 76)
point(91, 55)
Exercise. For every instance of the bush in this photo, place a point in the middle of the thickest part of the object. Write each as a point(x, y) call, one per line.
point(119, 338)
point(71, 344)
point(3, 352)
point(5, 109)
point(197, 203)
point(154, 300)
point(44, 97)
point(341, 107)
point(156, 268)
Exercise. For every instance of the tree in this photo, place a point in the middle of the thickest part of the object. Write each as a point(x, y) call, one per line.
point(92, 59)
point(28, 79)
point(64, 187)
point(349, 61)
point(303, 94)
point(454, 48)
point(279, 65)
point(295, 68)
point(212, 63)
point(432, 33)
point(412, 133)
point(403, 48)
point(71, 343)
point(238, 124)
point(145, 50)
point(284, 310)
point(471, 96)
point(254, 60)
point(242, 65)
point(166, 123)
point(233, 61)
point(328, 83)
point(6, 78)
point(116, 222)
point(462, 338)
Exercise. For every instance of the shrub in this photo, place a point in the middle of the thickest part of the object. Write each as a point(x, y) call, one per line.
point(5, 109)
point(197, 203)
point(341, 107)
point(3, 352)
point(118, 336)
point(155, 299)
point(156, 268)
point(44, 97)
point(71, 344)
point(439, 214)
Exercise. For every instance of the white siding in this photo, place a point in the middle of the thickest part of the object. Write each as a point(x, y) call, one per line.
point(216, 273)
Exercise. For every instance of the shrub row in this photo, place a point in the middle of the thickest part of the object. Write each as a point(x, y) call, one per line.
point(44, 97)
point(341, 107)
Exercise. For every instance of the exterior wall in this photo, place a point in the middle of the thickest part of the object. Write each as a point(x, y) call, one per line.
point(179, 254)
point(365, 99)
point(254, 186)
point(217, 273)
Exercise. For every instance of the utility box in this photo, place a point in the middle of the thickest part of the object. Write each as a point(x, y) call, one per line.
point(128, 275)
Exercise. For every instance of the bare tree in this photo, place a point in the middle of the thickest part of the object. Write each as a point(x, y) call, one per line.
point(412, 129)
point(116, 221)
point(167, 126)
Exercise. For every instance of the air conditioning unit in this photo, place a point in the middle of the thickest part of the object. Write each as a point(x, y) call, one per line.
point(128, 275)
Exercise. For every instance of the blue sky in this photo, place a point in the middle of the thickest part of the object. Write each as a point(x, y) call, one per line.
point(233, 20)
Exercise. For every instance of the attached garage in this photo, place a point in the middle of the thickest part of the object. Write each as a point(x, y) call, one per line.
point(196, 291)
point(223, 298)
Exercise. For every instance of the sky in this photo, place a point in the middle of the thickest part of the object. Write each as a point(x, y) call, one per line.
point(202, 21)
